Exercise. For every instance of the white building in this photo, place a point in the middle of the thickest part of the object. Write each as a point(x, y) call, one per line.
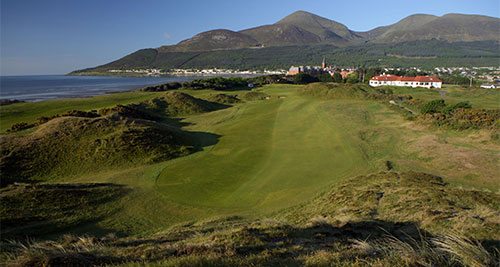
point(489, 86)
point(395, 80)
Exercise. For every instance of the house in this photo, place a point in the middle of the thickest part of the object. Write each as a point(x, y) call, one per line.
point(345, 73)
point(395, 80)
point(489, 86)
point(294, 70)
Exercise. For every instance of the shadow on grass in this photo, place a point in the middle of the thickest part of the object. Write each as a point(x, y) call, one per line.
point(49, 210)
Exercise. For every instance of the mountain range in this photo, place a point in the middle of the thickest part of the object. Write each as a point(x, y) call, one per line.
point(304, 29)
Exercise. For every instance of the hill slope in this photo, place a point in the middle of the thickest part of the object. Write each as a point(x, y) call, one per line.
point(213, 40)
point(338, 241)
point(125, 135)
point(302, 28)
point(450, 27)
point(296, 35)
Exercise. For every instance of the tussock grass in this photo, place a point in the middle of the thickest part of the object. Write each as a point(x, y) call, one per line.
point(255, 244)
point(407, 196)
point(465, 251)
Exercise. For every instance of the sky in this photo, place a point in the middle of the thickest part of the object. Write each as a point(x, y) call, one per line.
point(59, 36)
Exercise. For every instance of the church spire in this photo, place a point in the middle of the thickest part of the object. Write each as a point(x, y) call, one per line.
point(323, 64)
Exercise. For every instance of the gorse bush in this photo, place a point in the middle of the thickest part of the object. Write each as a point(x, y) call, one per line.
point(304, 78)
point(218, 83)
point(451, 108)
point(433, 106)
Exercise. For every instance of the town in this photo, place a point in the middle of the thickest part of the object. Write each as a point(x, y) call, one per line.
point(409, 77)
point(193, 72)
point(485, 77)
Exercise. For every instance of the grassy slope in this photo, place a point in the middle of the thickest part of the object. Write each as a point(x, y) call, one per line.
point(273, 154)
point(29, 112)
point(383, 219)
point(41, 210)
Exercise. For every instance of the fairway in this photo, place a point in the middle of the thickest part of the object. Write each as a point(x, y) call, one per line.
point(271, 154)
point(261, 156)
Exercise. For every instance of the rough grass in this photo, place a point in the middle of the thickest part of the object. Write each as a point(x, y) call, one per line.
point(235, 241)
point(72, 145)
point(281, 152)
point(127, 135)
point(254, 95)
point(407, 196)
point(224, 99)
point(31, 211)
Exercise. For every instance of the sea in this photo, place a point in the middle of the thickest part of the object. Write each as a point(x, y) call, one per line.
point(44, 87)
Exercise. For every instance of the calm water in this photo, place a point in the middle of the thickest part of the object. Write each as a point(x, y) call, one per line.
point(43, 87)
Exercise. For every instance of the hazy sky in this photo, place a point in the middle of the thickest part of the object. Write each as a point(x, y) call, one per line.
point(58, 36)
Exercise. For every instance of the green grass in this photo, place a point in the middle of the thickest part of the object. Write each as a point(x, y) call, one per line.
point(273, 154)
point(478, 97)
point(29, 112)
point(43, 210)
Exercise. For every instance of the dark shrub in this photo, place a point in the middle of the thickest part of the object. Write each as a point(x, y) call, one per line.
point(79, 113)
point(304, 78)
point(218, 83)
point(325, 77)
point(433, 106)
point(162, 87)
point(464, 105)
point(20, 126)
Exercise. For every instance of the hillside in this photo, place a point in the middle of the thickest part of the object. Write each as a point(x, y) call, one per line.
point(428, 54)
point(213, 40)
point(450, 28)
point(375, 232)
point(302, 28)
point(302, 36)
point(125, 135)
point(59, 207)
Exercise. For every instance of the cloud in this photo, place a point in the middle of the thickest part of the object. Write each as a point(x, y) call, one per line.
point(167, 36)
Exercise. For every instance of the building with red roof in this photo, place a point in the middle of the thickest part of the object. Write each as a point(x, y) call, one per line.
point(395, 80)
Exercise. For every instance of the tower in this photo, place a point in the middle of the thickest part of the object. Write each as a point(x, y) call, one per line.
point(323, 64)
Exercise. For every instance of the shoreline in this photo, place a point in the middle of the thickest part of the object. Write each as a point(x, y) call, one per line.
point(46, 89)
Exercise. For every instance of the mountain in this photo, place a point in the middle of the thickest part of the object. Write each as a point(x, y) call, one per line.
point(213, 40)
point(302, 37)
point(450, 27)
point(408, 23)
point(302, 28)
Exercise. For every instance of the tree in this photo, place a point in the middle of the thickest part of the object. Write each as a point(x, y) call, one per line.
point(304, 78)
point(337, 77)
point(352, 78)
point(325, 77)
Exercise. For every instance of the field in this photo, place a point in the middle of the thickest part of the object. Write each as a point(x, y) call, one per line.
point(260, 157)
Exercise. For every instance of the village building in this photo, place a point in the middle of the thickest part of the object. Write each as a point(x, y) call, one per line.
point(489, 86)
point(323, 69)
point(395, 80)
point(345, 73)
